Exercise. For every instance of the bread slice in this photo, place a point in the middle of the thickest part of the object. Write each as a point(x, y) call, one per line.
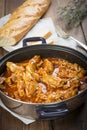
point(45, 34)
point(22, 20)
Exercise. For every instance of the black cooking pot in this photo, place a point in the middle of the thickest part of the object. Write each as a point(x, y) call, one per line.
point(50, 110)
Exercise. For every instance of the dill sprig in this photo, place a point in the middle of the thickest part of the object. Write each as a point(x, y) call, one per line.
point(73, 13)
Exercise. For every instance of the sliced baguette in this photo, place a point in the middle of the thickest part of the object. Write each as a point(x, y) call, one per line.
point(22, 20)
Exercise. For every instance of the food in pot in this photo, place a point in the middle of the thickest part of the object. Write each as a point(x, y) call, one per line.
point(43, 80)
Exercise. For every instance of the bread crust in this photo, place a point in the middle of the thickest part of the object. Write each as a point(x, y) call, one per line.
point(22, 20)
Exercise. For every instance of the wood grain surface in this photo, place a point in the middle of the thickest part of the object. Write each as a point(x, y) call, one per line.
point(77, 120)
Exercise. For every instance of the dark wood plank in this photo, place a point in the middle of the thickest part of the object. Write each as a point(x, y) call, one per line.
point(9, 122)
point(40, 125)
point(12, 4)
point(2, 8)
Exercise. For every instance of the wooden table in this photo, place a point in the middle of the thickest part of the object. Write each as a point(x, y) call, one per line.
point(76, 120)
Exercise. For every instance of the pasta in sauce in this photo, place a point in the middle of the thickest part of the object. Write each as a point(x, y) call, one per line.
point(42, 80)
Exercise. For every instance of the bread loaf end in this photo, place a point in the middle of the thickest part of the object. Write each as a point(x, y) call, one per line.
point(6, 41)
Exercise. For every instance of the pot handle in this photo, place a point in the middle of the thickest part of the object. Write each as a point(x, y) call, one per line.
point(52, 112)
point(33, 39)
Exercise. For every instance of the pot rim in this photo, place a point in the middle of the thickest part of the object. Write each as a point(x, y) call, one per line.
point(42, 45)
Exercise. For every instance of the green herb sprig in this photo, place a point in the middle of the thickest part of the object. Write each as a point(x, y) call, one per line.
point(73, 13)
